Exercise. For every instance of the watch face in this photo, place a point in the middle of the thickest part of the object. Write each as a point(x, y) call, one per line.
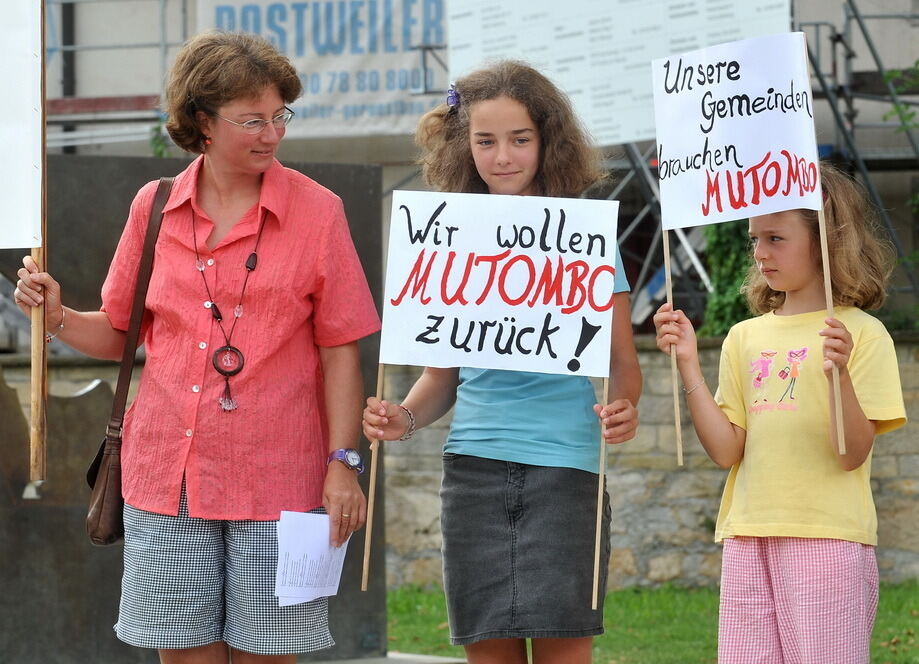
point(352, 458)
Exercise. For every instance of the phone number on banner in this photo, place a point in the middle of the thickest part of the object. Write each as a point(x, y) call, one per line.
point(366, 80)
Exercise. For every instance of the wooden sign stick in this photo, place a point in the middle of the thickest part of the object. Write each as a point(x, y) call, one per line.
point(665, 234)
point(39, 367)
point(372, 490)
point(600, 482)
point(39, 388)
point(828, 292)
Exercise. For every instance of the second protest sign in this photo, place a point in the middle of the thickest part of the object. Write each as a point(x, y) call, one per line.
point(500, 282)
point(735, 131)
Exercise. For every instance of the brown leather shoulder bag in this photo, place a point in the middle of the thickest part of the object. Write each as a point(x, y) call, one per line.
point(105, 521)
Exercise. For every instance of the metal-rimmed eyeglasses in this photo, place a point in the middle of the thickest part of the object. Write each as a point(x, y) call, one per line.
point(257, 125)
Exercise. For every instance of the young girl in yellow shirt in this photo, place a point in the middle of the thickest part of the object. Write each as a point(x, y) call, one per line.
point(799, 576)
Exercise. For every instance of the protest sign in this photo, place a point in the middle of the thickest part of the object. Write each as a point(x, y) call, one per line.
point(21, 129)
point(22, 175)
point(735, 139)
point(735, 131)
point(500, 282)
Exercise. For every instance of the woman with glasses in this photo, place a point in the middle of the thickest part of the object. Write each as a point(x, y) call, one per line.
point(251, 393)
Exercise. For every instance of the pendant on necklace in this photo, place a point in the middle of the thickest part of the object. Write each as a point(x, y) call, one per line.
point(228, 360)
point(227, 403)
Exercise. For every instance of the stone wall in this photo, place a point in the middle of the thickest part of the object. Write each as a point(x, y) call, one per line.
point(663, 515)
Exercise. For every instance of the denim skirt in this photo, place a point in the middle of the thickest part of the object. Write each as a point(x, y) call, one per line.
point(518, 550)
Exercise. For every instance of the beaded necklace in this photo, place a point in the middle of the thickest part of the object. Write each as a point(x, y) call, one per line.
point(228, 360)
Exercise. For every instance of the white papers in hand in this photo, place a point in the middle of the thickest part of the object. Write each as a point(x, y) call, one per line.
point(308, 566)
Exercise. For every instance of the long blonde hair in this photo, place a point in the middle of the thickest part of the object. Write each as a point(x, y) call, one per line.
point(861, 260)
point(568, 163)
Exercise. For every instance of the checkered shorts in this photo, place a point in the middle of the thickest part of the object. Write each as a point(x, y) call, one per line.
point(787, 600)
point(189, 582)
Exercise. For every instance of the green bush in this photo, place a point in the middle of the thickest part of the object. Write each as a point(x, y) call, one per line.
point(897, 317)
point(727, 255)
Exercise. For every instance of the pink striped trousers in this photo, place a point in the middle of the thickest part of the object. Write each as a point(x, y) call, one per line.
point(788, 600)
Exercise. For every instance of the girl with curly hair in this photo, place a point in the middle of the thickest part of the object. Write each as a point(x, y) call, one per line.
point(520, 463)
point(799, 580)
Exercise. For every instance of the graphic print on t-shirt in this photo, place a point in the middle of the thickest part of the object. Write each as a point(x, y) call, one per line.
point(760, 370)
point(795, 358)
point(785, 380)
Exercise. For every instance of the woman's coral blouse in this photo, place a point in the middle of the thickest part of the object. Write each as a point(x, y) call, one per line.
point(308, 290)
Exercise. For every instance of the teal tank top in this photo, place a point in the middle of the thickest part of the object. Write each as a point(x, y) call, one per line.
point(526, 417)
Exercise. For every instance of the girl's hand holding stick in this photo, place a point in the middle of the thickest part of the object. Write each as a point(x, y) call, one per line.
point(384, 420)
point(618, 421)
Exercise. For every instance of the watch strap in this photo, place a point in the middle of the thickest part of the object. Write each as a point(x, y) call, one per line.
point(341, 454)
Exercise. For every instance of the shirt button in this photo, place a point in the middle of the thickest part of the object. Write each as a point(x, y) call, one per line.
point(208, 304)
point(202, 345)
point(188, 433)
point(210, 261)
point(195, 388)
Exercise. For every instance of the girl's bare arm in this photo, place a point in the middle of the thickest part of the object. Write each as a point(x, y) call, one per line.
point(723, 440)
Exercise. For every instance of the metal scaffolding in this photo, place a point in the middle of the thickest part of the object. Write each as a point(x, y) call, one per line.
point(88, 121)
point(841, 89)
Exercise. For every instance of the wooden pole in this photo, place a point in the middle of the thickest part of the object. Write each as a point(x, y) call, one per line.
point(39, 367)
point(38, 395)
point(600, 482)
point(372, 490)
point(665, 234)
point(828, 293)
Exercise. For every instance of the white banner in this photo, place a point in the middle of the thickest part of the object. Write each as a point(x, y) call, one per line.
point(21, 129)
point(735, 131)
point(600, 51)
point(500, 282)
point(358, 60)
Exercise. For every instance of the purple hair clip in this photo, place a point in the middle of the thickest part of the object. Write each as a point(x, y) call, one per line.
point(453, 99)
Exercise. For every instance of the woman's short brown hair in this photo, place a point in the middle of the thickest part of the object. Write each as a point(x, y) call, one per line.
point(568, 162)
point(213, 69)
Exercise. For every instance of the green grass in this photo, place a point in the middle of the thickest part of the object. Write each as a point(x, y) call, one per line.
point(665, 625)
point(417, 622)
point(895, 640)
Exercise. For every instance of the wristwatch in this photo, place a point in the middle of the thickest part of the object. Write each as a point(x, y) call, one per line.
point(348, 456)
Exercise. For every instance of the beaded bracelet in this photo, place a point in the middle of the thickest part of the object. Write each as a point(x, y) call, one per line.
point(60, 328)
point(410, 430)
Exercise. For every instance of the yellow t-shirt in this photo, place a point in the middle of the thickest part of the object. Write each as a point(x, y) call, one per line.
point(771, 384)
